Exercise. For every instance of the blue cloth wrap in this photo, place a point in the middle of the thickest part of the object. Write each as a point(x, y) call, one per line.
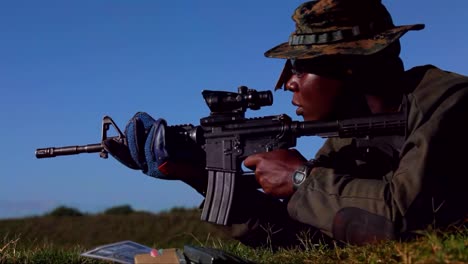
point(146, 142)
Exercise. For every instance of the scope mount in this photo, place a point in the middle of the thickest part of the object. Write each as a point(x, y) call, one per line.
point(230, 106)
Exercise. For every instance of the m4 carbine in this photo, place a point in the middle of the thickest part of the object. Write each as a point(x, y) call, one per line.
point(227, 138)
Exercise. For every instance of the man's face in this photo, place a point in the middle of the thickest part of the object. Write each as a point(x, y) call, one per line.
point(315, 94)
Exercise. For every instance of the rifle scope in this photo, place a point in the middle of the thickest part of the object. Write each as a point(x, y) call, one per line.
point(227, 102)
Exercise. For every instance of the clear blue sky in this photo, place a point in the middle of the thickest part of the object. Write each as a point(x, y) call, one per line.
point(66, 64)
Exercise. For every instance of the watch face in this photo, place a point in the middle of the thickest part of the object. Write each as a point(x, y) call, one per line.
point(299, 177)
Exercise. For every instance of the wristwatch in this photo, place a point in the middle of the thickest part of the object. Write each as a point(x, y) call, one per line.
point(301, 173)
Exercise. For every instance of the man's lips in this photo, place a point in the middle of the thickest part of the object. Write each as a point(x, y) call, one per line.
point(299, 111)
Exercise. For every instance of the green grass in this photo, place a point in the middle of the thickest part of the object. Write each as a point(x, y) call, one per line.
point(42, 254)
point(431, 247)
point(61, 239)
point(168, 229)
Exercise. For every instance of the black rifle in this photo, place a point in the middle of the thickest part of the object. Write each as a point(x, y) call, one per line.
point(227, 138)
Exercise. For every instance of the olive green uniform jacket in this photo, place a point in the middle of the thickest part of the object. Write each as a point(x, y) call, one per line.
point(382, 188)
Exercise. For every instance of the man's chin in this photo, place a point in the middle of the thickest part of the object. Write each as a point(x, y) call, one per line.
point(302, 116)
point(310, 118)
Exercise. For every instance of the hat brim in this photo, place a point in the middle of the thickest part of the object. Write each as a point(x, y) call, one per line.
point(365, 46)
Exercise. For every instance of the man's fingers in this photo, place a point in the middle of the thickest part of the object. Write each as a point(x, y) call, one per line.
point(252, 161)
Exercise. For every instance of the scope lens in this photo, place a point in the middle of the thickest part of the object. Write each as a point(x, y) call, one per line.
point(265, 98)
point(258, 99)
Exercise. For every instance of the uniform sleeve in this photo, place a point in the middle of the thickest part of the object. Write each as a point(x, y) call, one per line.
point(259, 220)
point(425, 187)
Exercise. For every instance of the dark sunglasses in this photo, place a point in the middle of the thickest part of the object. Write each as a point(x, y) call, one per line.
point(329, 69)
point(323, 67)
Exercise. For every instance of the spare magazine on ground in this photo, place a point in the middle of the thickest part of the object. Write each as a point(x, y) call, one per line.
point(129, 252)
point(120, 252)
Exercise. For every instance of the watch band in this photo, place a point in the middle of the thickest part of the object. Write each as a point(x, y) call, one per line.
point(301, 173)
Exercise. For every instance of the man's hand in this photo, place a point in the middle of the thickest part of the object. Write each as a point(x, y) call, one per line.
point(158, 152)
point(274, 169)
point(145, 147)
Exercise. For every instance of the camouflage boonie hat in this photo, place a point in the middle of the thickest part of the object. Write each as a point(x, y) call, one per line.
point(347, 27)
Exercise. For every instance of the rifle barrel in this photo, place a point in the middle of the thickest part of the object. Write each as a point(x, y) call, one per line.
point(68, 150)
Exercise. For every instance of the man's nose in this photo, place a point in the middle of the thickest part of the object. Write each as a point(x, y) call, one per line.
point(291, 84)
